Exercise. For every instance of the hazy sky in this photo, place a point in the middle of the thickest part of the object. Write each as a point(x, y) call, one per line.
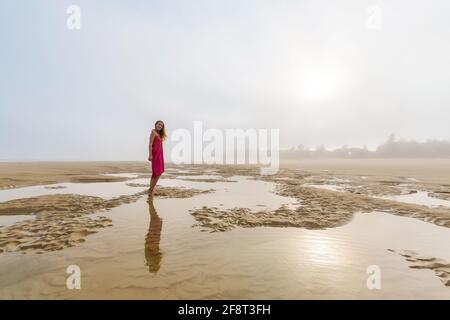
point(323, 72)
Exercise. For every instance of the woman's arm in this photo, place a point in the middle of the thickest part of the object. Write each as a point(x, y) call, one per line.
point(152, 137)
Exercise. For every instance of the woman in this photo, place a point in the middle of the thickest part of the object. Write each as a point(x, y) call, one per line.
point(156, 157)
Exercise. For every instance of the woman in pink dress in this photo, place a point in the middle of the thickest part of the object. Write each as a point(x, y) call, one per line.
point(156, 157)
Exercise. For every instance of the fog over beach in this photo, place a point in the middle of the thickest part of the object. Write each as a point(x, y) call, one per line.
point(225, 150)
point(324, 73)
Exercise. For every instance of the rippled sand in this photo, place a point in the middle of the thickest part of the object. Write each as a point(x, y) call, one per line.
point(226, 233)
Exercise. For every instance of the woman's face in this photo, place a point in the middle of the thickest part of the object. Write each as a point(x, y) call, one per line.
point(159, 126)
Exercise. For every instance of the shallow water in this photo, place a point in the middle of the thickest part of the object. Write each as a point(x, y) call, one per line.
point(106, 190)
point(332, 187)
point(420, 197)
point(199, 177)
point(10, 220)
point(122, 175)
point(176, 170)
point(153, 251)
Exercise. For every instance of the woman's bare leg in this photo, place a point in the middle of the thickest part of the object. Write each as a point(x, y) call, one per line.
point(153, 183)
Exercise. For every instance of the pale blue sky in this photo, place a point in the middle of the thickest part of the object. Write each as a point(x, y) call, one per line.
point(310, 68)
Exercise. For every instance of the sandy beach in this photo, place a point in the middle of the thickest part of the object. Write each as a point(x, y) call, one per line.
point(308, 232)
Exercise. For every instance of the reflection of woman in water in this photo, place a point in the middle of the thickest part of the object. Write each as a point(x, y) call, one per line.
point(153, 254)
point(155, 154)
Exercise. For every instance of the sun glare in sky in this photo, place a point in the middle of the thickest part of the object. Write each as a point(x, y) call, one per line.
point(319, 83)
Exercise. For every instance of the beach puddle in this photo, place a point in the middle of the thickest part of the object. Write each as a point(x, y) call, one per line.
point(201, 177)
point(106, 190)
point(331, 187)
point(123, 175)
point(205, 178)
point(421, 198)
point(155, 250)
point(10, 220)
point(177, 170)
point(245, 192)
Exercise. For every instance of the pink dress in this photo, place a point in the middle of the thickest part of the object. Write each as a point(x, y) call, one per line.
point(157, 157)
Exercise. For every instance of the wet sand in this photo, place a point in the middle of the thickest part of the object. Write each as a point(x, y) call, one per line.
point(439, 266)
point(21, 174)
point(316, 222)
point(427, 170)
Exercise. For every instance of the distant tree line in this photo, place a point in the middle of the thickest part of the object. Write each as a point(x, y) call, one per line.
point(391, 148)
